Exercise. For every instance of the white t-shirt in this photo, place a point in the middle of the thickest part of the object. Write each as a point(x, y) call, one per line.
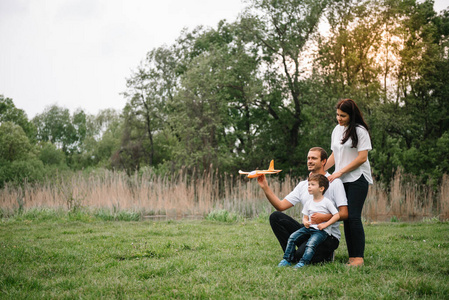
point(345, 154)
point(325, 206)
point(336, 193)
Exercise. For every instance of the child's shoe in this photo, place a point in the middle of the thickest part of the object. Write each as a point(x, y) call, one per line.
point(284, 263)
point(299, 265)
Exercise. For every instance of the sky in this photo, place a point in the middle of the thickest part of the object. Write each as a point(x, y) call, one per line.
point(78, 53)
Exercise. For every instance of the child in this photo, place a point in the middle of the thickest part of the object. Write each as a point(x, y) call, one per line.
point(315, 233)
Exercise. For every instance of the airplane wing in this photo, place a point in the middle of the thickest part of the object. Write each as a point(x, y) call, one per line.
point(257, 173)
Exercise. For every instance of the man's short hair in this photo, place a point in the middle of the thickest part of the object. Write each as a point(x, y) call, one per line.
point(323, 152)
point(321, 179)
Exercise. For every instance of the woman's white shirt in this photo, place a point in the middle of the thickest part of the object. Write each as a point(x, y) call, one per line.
point(345, 154)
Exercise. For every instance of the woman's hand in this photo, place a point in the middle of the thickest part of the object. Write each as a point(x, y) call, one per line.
point(357, 162)
point(334, 176)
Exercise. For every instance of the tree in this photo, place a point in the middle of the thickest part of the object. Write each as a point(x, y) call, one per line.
point(9, 113)
point(214, 114)
point(54, 125)
point(422, 87)
point(391, 57)
point(67, 132)
point(51, 156)
point(284, 30)
point(148, 90)
point(106, 137)
point(14, 144)
point(197, 115)
point(18, 163)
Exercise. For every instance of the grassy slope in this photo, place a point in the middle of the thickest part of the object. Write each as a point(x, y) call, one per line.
point(60, 258)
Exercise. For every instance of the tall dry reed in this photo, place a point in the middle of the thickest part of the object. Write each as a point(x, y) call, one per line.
point(407, 200)
point(199, 193)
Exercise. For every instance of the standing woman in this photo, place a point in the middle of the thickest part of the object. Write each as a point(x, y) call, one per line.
point(350, 145)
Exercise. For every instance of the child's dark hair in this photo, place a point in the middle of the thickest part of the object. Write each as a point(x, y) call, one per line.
point(321, 179)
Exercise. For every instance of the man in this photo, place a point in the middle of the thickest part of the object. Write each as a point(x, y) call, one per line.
point(284, 225)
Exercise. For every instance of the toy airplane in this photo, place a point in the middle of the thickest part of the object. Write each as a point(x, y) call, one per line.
point(257, 173)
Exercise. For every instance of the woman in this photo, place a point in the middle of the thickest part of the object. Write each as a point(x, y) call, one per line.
point(350, 145)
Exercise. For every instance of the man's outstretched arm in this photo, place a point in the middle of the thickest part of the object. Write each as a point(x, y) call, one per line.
point(278, 204)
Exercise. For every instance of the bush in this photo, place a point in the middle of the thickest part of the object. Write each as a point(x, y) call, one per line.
point(82, 215)
point(14, 144)
point(52, 156)
point(106, 215)
point(21, 171)
point(222, 216)
point(43, 214)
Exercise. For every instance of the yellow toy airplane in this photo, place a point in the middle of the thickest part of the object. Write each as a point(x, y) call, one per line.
point(257, 173)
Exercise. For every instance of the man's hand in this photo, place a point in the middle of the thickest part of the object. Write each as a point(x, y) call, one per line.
point(262, 181)
point(318, 218)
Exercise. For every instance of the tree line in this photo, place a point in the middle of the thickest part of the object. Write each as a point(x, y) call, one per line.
point(262, 87)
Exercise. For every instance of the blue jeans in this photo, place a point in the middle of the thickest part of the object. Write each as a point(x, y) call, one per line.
point(283, 226)
point(314, 236)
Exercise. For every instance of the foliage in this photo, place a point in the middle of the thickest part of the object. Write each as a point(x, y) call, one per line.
point(212, 112)
point(104, 140)
point(9, 113)
point(263, 87)
point(222, 216)
point(18, 162)
point(149, 89)
point(14, 144)
point(20, 172)
point(55, 125)
point(117, 216)
point(85, 140)
point(391, 58)
point(284, 30)
point(50, 155)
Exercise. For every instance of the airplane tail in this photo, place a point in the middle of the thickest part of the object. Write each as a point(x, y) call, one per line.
point(271, 168)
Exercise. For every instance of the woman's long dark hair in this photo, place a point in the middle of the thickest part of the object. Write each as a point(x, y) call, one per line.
point(355, 118)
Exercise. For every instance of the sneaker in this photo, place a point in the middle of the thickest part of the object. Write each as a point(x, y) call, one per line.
point(284, 263)
point(299, 265)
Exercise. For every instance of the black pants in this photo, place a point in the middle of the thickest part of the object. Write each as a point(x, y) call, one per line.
point(356, 193)
point(283, 226)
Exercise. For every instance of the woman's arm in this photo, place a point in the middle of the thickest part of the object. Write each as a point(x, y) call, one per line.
point(357, 162)
point(330, 162)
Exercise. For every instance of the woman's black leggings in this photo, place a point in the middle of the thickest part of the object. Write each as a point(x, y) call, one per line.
point(356, 193)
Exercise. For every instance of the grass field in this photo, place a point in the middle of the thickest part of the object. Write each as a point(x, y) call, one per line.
point(68, 256)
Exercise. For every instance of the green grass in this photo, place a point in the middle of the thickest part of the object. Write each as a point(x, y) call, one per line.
point(62, 257)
